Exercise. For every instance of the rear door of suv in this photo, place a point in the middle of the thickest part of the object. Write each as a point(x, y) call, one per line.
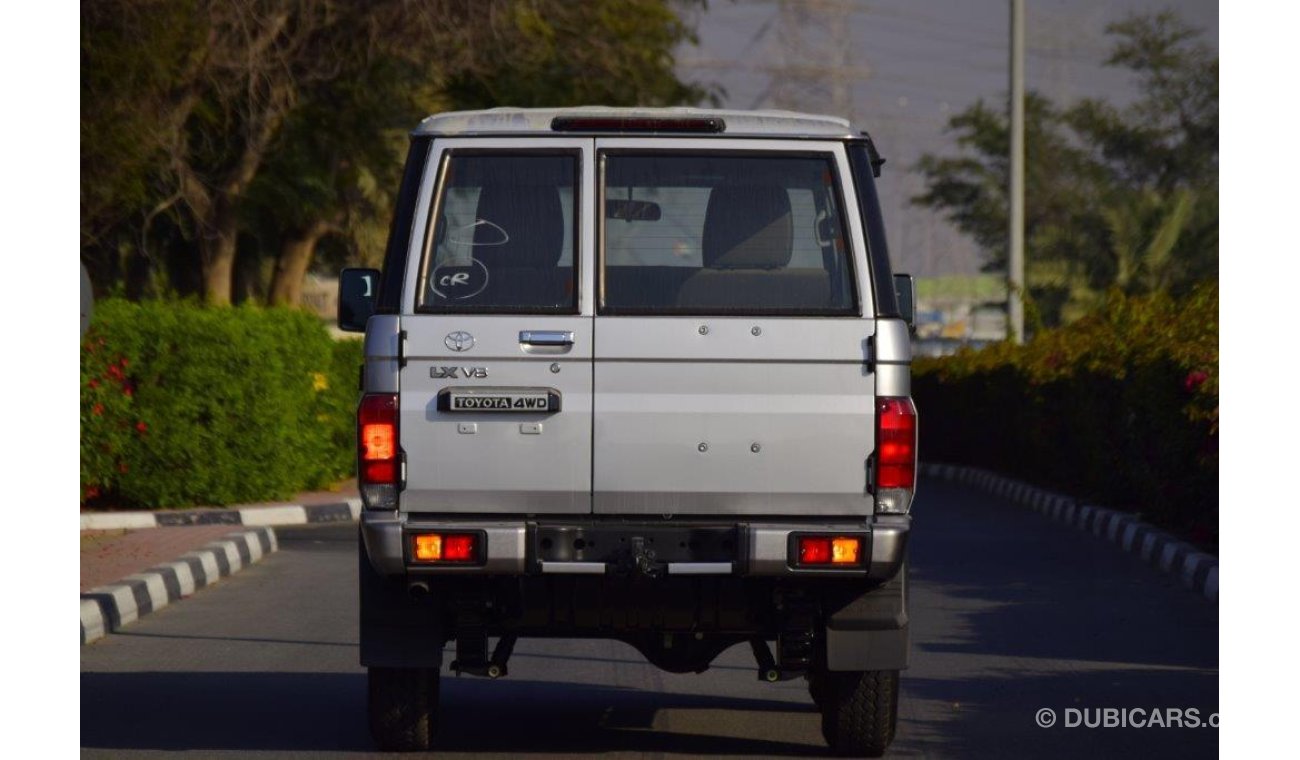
point(731, 373)
point(496, 388)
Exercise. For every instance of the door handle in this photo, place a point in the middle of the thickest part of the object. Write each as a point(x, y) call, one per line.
point(546, 337)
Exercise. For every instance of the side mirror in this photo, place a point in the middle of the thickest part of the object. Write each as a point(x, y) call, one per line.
point(905, 290)
point(358, 289)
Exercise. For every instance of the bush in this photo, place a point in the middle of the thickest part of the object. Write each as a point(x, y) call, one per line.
point(184, 405)
point(1120, 407)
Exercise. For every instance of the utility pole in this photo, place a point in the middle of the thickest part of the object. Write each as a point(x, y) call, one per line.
point(1016, 233)
point(814, 58)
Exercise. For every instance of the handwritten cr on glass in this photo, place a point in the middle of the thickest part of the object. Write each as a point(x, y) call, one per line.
point(504, 235)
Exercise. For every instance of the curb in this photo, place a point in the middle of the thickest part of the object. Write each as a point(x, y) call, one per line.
point(1196, 569)
point(106, 609)
point(276, 514)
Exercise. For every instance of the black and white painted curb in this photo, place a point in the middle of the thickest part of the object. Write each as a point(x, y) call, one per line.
point(276, 514)
point(1196, 569)
point(107, 608)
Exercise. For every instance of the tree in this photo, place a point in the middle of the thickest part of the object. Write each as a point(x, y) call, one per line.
point(128, 117)
point(597, 52)
point(276, 120)
point(1114, 197)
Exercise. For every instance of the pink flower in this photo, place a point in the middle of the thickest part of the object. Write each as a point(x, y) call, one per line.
point(1195, 379)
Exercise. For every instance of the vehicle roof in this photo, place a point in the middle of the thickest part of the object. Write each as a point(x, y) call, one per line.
point(537, 121)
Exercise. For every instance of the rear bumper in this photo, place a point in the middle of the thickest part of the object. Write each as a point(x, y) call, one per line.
point(761, 548)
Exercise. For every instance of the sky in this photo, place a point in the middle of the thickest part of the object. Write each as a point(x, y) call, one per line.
point(906, 67)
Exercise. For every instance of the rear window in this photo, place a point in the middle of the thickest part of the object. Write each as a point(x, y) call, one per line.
point(503, 235)
point(709, 234)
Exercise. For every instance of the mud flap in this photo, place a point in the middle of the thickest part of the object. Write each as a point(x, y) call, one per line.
point(396, 630)
point(870, 633)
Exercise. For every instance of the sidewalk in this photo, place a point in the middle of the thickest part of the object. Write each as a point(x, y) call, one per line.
point(135, 562)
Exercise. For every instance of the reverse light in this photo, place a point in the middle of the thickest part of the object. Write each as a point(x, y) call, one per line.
point(895, 454)
point(378, 459)
point(445, 547)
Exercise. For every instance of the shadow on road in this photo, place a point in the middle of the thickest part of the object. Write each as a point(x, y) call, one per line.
point(1012, 613)
point(326, 712)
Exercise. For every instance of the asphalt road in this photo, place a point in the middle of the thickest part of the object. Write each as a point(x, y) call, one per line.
point(1010, 612)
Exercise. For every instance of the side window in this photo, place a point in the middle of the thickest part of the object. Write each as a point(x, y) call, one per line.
point(503, 235)
point(708, 234)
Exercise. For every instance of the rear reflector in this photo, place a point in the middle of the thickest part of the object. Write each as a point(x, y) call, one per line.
point(445, 547)
point(636, 124)
point(378, 465)
point(829, 550)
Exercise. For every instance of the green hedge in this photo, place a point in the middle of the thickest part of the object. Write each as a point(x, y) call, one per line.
point(185, 405)
point(1120, 407)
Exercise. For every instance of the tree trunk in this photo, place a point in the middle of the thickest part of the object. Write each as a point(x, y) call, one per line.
point(217, 247)
point(291, 267)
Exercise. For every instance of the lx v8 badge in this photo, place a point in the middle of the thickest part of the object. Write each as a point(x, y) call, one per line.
point(440, 373)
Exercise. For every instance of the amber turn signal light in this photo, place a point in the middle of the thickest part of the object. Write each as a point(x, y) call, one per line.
point(846, 551)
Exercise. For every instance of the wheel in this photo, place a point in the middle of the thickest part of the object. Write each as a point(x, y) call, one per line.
point(859, 710)
point(403, 707)
point(817, 688)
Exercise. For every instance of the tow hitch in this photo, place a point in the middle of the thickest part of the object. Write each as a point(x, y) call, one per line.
point(642, 559)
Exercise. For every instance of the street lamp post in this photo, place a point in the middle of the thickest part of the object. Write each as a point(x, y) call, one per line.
point(1016, 215)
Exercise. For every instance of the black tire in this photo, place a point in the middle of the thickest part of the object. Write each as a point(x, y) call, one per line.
point(859, 710)
point(817, 688)
point(403, 707)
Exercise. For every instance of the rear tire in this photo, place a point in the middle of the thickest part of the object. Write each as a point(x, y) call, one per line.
point(859, 710)
point(403, 707)
point(817, 689)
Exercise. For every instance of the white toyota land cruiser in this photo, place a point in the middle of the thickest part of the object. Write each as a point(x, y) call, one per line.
point(639, 375)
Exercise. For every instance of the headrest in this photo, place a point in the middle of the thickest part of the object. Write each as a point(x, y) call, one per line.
point(519, 226)
point(748, 227)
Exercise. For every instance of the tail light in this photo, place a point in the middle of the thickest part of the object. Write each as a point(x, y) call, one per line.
point(895, 454)
point(378, 459)
point(833, 551)
point(463, 548)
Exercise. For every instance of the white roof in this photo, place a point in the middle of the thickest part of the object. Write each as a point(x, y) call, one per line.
point(537, 121)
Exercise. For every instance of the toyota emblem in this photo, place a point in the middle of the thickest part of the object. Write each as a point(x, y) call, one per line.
point(459, 341)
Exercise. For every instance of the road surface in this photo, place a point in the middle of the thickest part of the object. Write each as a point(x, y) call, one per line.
point(1010, 614)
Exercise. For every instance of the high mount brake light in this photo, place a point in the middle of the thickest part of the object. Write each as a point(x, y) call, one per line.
point(378, 459)
point(637, 124)
point(895, 454)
